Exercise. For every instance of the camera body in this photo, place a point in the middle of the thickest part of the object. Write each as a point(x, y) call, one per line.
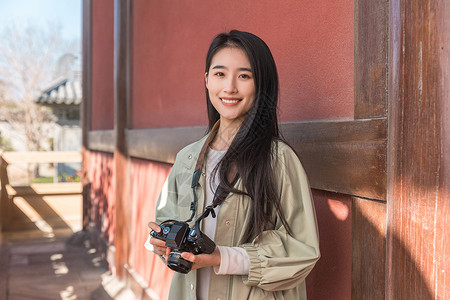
point(181, 238)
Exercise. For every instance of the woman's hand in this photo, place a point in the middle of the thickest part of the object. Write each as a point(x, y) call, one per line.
point(203, 260)
point(159, 246)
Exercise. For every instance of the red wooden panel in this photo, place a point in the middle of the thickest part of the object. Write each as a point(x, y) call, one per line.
point(102, 193)
point(368, 249)
point(102, 106)
point(331, 277)
point(147, 179)
point(312, 42)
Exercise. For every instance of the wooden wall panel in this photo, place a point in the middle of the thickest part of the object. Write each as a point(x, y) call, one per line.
point(371, 46)
point(368, 249)
point(331, 276)
point(418, 203)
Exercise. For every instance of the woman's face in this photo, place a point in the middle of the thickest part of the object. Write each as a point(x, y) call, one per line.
point(230, 84)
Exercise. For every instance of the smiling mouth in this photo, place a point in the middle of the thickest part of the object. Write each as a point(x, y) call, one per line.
point(230, 101)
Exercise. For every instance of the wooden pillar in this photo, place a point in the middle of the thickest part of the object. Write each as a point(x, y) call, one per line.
point(418, 265)
point(121, 97)
point(85, 115)
point(369, 215)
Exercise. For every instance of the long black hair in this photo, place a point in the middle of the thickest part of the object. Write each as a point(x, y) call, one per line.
point(252, 152)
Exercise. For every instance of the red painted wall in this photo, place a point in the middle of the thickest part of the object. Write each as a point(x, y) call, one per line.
point(147, 181)
point(331, 277)
point(312, 42)
point(102, 108)
point(102, 193)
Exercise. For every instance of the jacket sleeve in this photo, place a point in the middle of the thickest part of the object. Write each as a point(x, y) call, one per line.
point(176, 195)
point(280, 261)
point(166, 206)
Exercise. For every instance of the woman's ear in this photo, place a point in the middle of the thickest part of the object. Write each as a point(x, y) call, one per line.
point(206, 79)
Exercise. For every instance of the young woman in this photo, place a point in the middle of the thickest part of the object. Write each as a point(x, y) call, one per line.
point(265, 229)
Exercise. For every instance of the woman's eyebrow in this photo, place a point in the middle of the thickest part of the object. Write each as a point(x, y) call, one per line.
point(239, 69)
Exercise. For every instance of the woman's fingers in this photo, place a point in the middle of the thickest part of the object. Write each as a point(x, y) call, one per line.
point(154, 226)
point(203, 260)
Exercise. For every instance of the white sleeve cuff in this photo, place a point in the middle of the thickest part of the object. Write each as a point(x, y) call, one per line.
point(233, 261)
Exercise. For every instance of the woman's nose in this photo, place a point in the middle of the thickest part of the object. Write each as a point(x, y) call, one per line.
point(230, 86)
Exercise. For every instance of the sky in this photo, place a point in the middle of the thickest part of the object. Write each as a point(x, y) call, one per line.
point(67, 13)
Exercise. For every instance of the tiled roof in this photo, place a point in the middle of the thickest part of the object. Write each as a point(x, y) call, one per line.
point(63, 90)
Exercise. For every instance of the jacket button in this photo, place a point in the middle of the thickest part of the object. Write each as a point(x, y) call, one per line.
point(203, 174)
point(192, 286)
point(218, 298)
point(227, 222)
point(190, 156)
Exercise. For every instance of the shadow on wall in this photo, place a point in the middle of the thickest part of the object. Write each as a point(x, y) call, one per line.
point(357, 271)
point(331, 277)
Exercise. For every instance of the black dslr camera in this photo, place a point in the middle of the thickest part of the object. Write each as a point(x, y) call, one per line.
point(180, 238)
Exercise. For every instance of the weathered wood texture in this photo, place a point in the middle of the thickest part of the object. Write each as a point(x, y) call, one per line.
point(418, 184)
point(368, 249)
point(371, 44)
point(161, 144)
point(348, 157)
point(121, 99)
point(101, 140)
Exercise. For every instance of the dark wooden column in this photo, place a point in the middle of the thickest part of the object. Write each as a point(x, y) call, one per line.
point(85, 114)
point(121, 97)
point(369, 214)
point(418, 143)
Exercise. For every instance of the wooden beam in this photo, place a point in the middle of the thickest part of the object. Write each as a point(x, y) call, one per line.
point(161, 144)
point(368, 249)
point(371, 42)
point(102, 140)
point(341, 156)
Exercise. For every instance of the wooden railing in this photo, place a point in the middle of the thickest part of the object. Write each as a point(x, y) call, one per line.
point(40, 200)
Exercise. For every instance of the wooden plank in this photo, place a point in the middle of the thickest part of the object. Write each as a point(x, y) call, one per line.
point(368, 249)
point(418, 261)
point(42, 157)
point(349, 168)
point(61, 188)
point(101, 140)
point(342, 156)
point(371, 41)
point(161, 144)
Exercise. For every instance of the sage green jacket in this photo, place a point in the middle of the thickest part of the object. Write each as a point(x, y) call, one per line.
point(279, 263)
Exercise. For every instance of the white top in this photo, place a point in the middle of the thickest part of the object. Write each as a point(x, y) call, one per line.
point(233, 260)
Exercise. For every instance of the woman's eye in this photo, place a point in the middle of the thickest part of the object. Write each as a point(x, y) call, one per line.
point(220, 74)
point(244, 76)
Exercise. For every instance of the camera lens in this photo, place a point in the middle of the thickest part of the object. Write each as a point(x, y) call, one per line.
point(177, 263)
point(166, 230)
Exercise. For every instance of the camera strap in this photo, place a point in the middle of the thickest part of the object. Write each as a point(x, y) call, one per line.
point(196, 177)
